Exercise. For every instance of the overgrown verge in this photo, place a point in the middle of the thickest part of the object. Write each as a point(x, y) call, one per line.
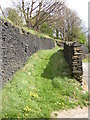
point(44, 85)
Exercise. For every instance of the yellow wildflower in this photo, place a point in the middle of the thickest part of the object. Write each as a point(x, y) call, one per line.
point(27, 109)
point(29, 99)
point(62, 103)
point(59, 103)
point(34, 95)
point(26, 115)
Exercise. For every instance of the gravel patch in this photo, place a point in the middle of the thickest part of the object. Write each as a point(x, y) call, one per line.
point(71, 113)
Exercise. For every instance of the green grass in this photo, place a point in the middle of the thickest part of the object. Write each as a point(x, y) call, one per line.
point(41, 35)
point(42, 86)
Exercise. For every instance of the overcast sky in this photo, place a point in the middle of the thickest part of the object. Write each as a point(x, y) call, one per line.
point(81, 6)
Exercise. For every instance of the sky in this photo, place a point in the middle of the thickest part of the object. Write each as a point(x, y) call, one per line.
point(81, 6)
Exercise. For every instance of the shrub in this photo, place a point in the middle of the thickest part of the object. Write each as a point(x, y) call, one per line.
point(82, 38)
point(13, 15)
point(44, 28)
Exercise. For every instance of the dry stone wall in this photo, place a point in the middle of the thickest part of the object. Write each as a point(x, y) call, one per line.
point(73, 55)
point(17, 47)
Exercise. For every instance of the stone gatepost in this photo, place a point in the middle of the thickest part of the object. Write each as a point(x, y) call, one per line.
point(73, 55)
point(77, 70)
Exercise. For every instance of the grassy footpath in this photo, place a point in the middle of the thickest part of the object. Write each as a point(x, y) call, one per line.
point(41, 87)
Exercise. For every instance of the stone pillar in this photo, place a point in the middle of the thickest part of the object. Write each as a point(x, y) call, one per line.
point(73, 55)
point(77, 70)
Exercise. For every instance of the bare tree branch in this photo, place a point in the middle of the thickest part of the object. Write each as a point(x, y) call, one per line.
point(32, 8)
point(23, 8)
point(2, 11)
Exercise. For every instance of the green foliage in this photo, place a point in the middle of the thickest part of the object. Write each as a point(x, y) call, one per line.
point(77, 35)
point(44, 28)
point(82, 38)
point(13, 15)
point(34, 32)
point(42, 86)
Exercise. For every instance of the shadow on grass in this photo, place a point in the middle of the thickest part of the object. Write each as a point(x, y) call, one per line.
point(57, 67)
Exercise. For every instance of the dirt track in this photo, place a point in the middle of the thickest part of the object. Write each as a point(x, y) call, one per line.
point(86, 76)
point(72, 113)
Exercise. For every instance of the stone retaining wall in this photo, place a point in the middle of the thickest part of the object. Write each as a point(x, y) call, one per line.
point(73, 55)
point(17, 47)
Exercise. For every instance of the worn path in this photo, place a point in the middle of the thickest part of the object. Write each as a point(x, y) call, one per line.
point(86, 73)
point(71, 113)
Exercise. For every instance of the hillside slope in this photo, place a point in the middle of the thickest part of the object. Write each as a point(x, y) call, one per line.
point(41, 87)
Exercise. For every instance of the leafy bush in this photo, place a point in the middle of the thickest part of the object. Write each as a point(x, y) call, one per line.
point(82, 38)
point(44, 28)
point(14, 16)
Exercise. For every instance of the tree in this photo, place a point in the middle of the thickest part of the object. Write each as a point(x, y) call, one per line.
point(45, 28)
point(13, 15)
point(2, 11)
point(69, 25)
point(82, 38)
point(36, 13)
